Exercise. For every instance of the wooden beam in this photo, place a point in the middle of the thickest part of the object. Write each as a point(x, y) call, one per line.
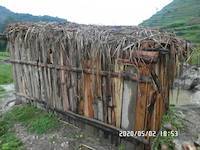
point(124, 75)
point(161, 50)
point(146, 56)
point(156, 80)
point(149, 57)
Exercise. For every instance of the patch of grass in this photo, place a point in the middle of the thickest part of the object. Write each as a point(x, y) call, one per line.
point(181, 16)
point(43, 124)
point(8, 140)
point(174, 25)
point(167, 140)
point(5, 74)
point(5, 69)
point(36, 120)
point(194, 59)
point(121, 147)
point(172, 118)
point(4, 55)
point(3, 127)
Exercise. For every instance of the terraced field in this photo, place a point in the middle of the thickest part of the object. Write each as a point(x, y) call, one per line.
point(181, 17)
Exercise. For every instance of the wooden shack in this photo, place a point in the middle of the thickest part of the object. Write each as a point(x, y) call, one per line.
point(118, 77)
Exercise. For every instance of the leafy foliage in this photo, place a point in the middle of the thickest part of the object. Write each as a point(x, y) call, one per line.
point(173, 118)
point(176, 121)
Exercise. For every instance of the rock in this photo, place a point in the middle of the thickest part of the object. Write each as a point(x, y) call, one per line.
point(189, 79)
point(188, 146)
point(164, 147)
point(18, 102)
point(197, 88)
point(197, 142)
point(177, 144)
point(64, 144)
point(13, 102)
point(168, 126)
point(194, 83)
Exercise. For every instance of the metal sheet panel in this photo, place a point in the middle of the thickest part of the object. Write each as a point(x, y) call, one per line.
point(129, 102)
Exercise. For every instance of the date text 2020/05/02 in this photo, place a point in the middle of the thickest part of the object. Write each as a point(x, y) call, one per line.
point(147, 133)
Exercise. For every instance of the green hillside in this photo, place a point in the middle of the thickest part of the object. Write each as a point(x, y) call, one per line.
point(7, 16)
point(180, 16)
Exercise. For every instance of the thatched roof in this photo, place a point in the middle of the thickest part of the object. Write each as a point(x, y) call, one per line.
point(90, 41)
point(95, 47)
point(111, 39)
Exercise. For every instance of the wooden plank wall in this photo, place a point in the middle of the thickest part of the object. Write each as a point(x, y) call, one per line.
point(151, 101)
point(142, 101)
point(120, 102)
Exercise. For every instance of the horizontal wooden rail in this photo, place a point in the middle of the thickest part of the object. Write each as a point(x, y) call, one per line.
point(124, 75)
point(93, 122)
point(161, 50)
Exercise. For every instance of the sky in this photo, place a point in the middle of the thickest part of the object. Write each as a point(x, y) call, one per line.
point(102, 12)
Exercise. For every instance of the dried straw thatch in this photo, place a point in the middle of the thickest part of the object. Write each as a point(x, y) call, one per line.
point(105, 39)
point(89, 41)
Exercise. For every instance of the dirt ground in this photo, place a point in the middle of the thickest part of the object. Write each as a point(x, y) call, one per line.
point(67, 137)
point(191, 120)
